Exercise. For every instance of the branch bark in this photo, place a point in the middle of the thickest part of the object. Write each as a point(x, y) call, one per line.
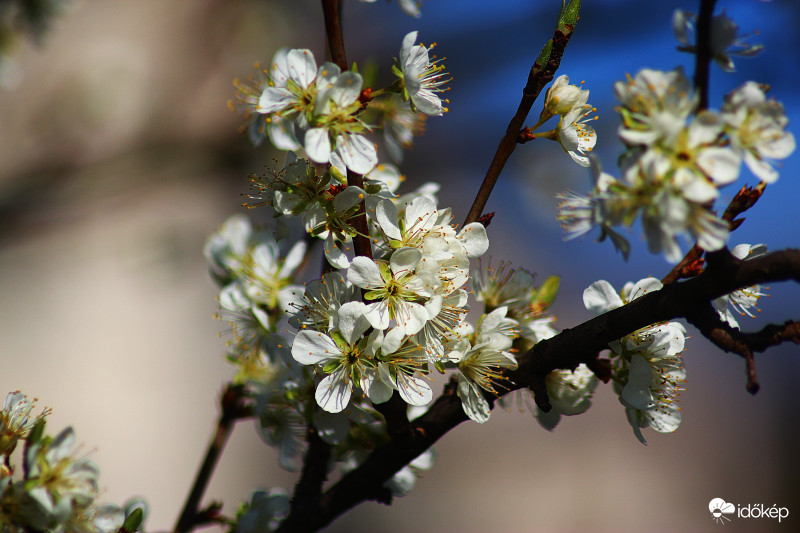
point(566, 350)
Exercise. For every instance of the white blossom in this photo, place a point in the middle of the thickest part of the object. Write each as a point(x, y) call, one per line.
point(741, 302)
point(757, 129)
point(422, 76)
point(725, 40)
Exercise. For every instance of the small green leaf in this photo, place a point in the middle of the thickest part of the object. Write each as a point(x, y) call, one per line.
point(544, 56)
point(133, 521)
point(395, 243)
point(569, 16)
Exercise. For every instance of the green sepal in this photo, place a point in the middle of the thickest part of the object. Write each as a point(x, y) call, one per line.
point(370, 72)
point(338, 176)
point(386, 272)
point(36, 432)
point(354, 67)
point(439, 366)
point(395, 243)
point(133, 521)
point(397, 72)
point(373, 295)
point(372, 188)
point(338, 338)
point(355, 375)
point(548, 291)
point(331, 366)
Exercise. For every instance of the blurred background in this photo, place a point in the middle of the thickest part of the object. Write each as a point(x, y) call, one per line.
point(118, 157)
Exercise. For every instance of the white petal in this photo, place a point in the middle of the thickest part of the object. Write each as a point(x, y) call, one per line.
point(346, 89)
point(349, 197)
point(293, 258)
point(408, 43)
point(274, 99)
point(386, 215)
point(334, 253)
point(333, 393)
point(393, 340)
point(378, 315)
point(282, 134)
point(377, 390)
point(359, 154)
point(472, 401)
point(302, 67)
point(720, 164)
point(312, 347)
point(600, 297)
point(318, 145)
point(352, 323)
point(636, 392)
point(415, 390)
point(364, 273)
point(474, 239)
point(404, 261)
point(411, 317)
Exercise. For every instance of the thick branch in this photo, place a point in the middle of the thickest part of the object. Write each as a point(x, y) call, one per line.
point(564, 351)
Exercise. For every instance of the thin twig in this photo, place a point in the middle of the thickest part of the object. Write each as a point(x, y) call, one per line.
point(538, 77)
point(690, 265)
point(232, 410)
point(703, 63)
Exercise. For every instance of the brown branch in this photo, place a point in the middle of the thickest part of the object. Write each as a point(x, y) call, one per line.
point(331, 9)
point(703, 62)
point(538, 77)
point(691, 263)
point(232, 409)
point(566, 350)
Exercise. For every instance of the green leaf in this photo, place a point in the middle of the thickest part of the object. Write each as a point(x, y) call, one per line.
point(544, 56)
point(569, 16)
point(133, 521)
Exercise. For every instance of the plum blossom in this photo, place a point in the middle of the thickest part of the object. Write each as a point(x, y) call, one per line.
point(646, 365)
point(422, 77)
point(725, 39)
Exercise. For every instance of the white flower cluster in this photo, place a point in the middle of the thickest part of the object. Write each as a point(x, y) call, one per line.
point(573, 133)
point(647, 369)
point(322, 109)
point(676, 161)
point(58, 489)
